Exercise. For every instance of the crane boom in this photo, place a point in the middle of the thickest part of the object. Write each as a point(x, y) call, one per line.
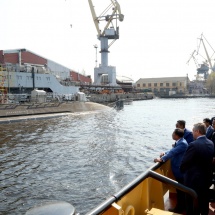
point(95, 19)
point(209, 60)
point(105, 33)
point(191, 56)
point(116, 13)
point(109, 18)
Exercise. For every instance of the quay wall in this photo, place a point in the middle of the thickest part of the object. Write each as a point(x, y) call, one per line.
point(8, 110)
point(108, 98)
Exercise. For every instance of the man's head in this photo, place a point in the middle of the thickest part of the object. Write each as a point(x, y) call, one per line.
point(180, 124)
point(199, 129)
point(177, 134)
point(207, 122)
point(213, 123)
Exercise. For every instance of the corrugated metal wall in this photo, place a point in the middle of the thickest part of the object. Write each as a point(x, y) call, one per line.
point(28, 57)
point(11, 58)
point(79, 78)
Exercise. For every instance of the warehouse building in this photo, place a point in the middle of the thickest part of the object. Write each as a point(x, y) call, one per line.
point(164, 85)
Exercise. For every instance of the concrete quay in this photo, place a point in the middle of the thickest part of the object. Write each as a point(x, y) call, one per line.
point(10, 110)
point(26, 118)
point(109, 98)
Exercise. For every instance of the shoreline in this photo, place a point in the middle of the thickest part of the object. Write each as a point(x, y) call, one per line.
point(185, 96)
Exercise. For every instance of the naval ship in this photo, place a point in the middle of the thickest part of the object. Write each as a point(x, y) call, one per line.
point(34, 85)
point(22, 70)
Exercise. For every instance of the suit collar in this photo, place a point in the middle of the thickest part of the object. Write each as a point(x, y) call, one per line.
point(200, 136)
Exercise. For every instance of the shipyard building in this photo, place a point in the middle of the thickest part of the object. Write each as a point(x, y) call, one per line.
point(163, 86)
point(22, 70)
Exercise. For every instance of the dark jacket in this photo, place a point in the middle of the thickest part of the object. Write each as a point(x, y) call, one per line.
point(176, 154)
point(209, 132)
point(197, 163)
point(188, 136)
point(213, 140)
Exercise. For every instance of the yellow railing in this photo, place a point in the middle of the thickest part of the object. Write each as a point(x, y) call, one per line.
point(143, 193)
point(146, 195)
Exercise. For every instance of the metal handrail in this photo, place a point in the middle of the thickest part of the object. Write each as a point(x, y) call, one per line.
point(148, 173)
point(176, 185)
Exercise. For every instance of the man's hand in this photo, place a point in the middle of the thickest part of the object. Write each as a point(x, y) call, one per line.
point(158, 160)
point(162, 154)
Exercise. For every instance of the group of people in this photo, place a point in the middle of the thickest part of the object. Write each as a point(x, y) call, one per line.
point(192, 163)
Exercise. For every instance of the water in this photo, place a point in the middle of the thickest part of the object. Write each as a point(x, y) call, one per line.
point(84, 158)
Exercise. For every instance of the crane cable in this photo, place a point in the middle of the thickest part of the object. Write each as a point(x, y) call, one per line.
point(201, 39)
point(105, 11)
point(209, 45)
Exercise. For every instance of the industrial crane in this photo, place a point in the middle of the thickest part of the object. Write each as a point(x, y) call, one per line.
point(206, 52)
point(109, 32)
point(201, 68)
point(204, 67)
point(194, 59)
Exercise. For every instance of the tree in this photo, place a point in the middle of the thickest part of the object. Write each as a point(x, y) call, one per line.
point(210, 83)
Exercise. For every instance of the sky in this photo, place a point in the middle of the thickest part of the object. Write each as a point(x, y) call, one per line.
point(156, 37)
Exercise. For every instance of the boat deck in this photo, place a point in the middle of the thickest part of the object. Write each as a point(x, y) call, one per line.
point(170, 202)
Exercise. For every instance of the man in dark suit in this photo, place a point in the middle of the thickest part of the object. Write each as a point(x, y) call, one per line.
point(197, 168)
point(188, 135)
point(213, 137)
point(176, 154)
point(209, 128)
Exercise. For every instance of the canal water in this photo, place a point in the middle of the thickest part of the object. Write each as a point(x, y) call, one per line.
point(84, 158)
